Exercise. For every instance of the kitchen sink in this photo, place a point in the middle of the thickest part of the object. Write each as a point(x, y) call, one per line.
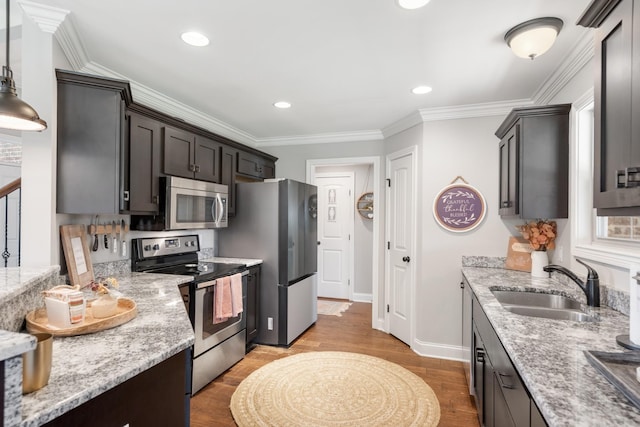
point(550, 313)
point(535, 299)
point(537, 304)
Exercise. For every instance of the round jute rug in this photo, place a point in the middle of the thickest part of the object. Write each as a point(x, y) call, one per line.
point(330, 388)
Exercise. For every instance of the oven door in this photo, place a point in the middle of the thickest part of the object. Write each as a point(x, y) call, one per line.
point(192, 204)
point(209, 334)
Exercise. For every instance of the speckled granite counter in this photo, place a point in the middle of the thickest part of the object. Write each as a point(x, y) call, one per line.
point(248, 261)
point(548, 354)
point(87, 365)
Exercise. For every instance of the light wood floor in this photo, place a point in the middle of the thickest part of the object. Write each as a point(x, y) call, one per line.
point(351, 332)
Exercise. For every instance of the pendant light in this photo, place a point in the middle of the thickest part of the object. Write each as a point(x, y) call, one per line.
point(533, 38)
point(15, 113)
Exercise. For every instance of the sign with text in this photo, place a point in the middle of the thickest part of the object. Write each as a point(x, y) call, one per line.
point(459, 208)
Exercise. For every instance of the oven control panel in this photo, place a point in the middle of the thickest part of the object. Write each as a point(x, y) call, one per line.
point(160, 246)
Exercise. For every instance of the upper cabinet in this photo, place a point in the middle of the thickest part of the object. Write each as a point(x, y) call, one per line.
point(255, 166)
point(191, 156)
point(91, 133)
point(617, 102)
point(534, 162)
point(112, 152)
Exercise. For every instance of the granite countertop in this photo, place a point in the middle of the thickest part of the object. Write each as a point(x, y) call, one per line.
point(14, 344)
point(248, 261)
point(549, 356)
point(13, 280)
point(85, 366)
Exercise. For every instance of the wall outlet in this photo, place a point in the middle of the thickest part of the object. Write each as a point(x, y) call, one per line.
point(270, 323)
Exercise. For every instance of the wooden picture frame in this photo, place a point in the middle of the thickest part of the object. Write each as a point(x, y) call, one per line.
point(76, 254)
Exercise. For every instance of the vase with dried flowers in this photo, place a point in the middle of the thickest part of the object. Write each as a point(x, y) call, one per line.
point(541, 235)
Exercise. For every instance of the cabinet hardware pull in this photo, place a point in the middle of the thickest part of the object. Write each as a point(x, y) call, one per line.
point(479, 355)
point(506, 204)
point(192, 167)
point(628, 178)
point(502, 383)
point(197, 168)
point(125, 196)
point(155, 200)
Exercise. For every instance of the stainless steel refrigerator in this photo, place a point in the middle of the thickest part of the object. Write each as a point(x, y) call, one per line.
point(276, 221)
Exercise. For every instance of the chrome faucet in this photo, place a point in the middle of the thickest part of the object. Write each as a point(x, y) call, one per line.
point(591, 288)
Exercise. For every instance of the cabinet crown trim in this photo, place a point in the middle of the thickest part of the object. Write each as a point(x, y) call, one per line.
point(597, 12)
point(73, 77)
point(536, 111)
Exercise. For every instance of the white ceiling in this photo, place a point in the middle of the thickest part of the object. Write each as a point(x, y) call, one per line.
point(345, 65)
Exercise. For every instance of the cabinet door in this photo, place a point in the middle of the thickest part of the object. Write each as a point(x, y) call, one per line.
point(249, 164)
point(509, 168)
point(144, 164)
point(501, 415)
point(91, 128)
point(207, 159)
point(613, 153)
point(253, 286)
point(228, 176)
point(178, 153)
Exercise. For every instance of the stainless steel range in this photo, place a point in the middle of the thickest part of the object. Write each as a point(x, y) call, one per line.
point(219, 344)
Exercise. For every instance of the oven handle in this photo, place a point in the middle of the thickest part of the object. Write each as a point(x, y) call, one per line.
point(213, 282)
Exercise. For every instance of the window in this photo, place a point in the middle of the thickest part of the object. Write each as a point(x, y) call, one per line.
point(611, 240)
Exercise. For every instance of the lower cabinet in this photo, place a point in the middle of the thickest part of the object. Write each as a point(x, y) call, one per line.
point(501, 397)
point(253, 309)
point(158, 396)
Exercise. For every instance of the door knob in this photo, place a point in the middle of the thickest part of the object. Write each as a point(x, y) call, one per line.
point(406, 259)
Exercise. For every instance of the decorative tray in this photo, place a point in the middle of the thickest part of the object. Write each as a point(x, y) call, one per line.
point(37, 320)
point(620, 370)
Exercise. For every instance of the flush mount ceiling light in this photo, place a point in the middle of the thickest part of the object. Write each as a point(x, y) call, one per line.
point(195, 39)
point(533, 38)
point(15, 113)
point(412, 4)
point(421, 90)
point(282, 104)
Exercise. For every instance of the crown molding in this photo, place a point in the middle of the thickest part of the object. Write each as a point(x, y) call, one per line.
point(580, 54)
point(71, 44)
point(456, 112)
point(46, 17)
point(321, 138)
point(151, 98)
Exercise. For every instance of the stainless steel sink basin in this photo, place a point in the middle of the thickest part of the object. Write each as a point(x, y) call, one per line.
point(535, 299)
point(550, 313)
point(542, 305)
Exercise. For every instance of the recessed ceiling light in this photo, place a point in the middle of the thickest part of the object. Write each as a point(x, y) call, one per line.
point(412, 4)
point(421, 90)
point(282, 104)
point(195, 39)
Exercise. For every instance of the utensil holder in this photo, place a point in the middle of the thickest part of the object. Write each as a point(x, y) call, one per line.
point(36, 364)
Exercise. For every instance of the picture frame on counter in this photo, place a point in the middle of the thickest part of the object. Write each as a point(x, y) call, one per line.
point(76, 254)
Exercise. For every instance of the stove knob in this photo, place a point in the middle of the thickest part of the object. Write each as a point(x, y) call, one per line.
point(187, 243)
point(156, 247)
point(147, 248)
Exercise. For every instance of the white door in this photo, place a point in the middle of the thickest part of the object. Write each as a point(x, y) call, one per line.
point(401, 248)
point(335, 225)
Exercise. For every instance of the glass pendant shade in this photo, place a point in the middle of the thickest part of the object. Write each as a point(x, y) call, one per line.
point(533, 38)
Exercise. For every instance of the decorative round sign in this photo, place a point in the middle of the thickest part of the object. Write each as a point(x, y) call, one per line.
point(459, 208)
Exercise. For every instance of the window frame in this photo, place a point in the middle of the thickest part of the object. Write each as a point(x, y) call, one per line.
point(584, 241)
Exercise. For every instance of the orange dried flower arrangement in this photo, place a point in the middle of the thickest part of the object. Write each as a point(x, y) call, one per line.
point(541, 234)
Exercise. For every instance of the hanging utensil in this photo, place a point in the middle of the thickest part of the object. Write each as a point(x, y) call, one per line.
point(114, 238)
point(94, 248)
point(123, 244)
point(106, 237)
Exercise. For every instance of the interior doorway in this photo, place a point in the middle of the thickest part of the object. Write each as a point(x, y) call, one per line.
point(366, 230)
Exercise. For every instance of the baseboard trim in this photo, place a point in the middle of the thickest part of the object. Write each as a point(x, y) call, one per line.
point(440, 351)
point(363, 298)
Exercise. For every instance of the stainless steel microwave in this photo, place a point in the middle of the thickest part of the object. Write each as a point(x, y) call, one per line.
point(191, 204)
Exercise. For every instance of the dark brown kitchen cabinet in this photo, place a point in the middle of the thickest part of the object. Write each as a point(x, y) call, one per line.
point(253, 309)
point(155, 397)
point(90, 154)
point(534, 162)
point(617, 102)
point(501, 397)
point(228, 175)
point(145, 157)
point(255, 166)
point(191, 156)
